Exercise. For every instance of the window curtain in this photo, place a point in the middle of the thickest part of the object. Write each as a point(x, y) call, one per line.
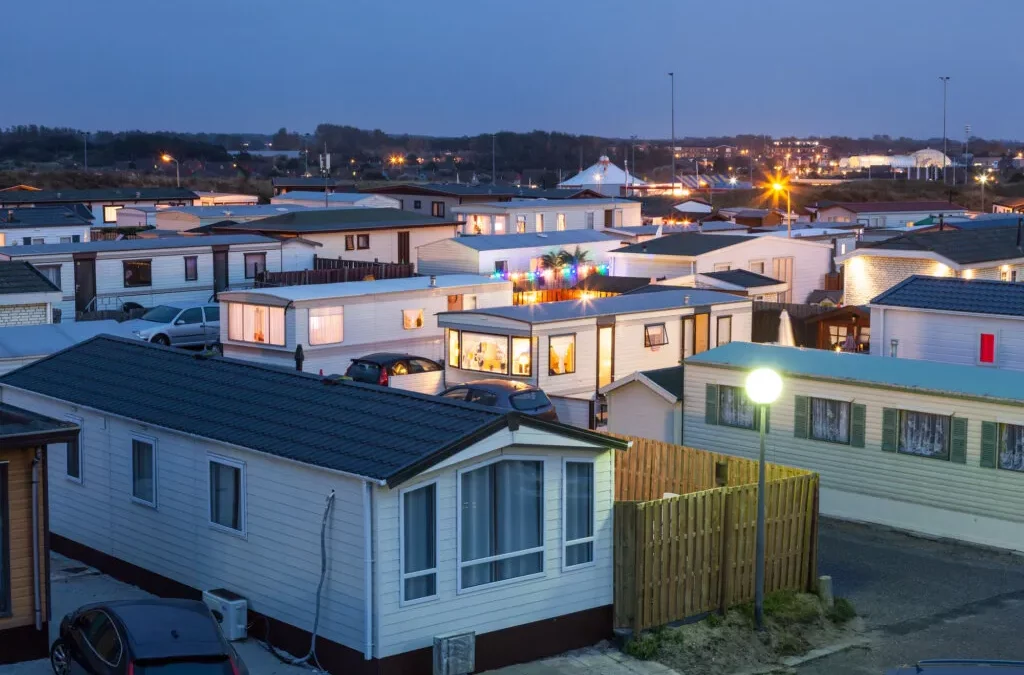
point(236, 319)
point(326, 325)
point(51, 272)
point(142, 470)
point(830, 420)
point(579, 512)
point(923, 434)
point(735, 409)
point(419, 522)
point(1011, 455)
point(225, 495)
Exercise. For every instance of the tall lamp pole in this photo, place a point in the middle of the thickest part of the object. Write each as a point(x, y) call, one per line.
point(779, 187)
point(763, 387)
point(945, 83)
point(177, 167)
point(982, 179)
point(672, 78)
point(85, 139)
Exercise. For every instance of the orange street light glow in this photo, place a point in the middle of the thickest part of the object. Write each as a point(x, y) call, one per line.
point(166, 157)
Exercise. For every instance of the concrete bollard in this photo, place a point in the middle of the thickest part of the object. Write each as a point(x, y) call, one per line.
point(825, 591)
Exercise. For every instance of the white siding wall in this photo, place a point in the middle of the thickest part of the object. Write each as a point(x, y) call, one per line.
point(519, 258)
point(865, 277)
point(448, 256)
point(810, 261)
point(584, 380)
point(276, 565)
point(920, 494)
point(296, 256)
point(635, 410)
point(946, 336)
point(487, 609)
point(383, 243)
point(639, 265)
point(15, 236)
point(627, 215)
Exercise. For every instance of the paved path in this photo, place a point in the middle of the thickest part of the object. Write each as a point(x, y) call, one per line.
point(600, 660)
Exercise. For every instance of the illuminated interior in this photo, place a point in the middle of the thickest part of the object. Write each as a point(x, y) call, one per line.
point(561, 354)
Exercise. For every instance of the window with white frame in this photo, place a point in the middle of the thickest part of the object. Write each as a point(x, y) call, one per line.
point(227, 493)
point(923, 434)
point(255, 263)
point(655, 335)
point(326, 325)
point(724, 331)
point(419, 543)
point(144, 470)
point(412, 319)
point(73, 459)
point(590, 220)
point(520, 224)
point(579, 513)
point(540, 222)
point(829, 420)
point(256, 323)
point(110, 213)
point(501, 522)
point(1011, 447)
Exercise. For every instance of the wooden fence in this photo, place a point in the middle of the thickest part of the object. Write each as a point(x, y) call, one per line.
point(522, 297)
point(331, 271)
point(684, 556)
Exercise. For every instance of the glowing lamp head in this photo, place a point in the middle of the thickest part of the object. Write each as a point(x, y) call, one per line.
point(763, 386)
point(778, 187)
point(167, 158)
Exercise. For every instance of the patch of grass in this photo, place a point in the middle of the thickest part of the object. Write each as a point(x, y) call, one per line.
point(842, 611)
point(789, 608)
point(791, 644)
point(644, 647)
point(714, 620)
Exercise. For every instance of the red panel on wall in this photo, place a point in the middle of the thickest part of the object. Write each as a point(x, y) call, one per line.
point(987, 353)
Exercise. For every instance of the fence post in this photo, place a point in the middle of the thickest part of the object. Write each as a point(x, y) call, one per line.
point(725, 583)
point(812, 568)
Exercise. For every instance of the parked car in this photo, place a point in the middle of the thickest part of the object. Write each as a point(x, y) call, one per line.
point(143, 637)
point(961, 667)
point(376, 368)
point(179, 324)
point(506, 395)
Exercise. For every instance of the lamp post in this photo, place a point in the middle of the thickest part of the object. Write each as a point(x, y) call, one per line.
point(177, 167)
point(945, 83)
point(982, 179)
point(779, 187)
point(763, 387)
point(672, 77)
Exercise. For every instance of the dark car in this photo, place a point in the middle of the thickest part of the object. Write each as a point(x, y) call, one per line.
point(961, 667)
point(506, 395)
point(143, 637)
point(376, 368)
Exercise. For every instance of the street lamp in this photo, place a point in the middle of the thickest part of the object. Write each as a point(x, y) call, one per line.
point(982, 179)
point(763, 387)
point(672, 77)
point(177, 167)
point(778, 187)
point(945, 86)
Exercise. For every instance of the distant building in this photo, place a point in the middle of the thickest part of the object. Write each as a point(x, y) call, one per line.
point(43, 225)
point(796, 153)
point(1008, 205)
point(437, 199)
point(604, 177)
point(335, 200)
point(27, 296)
point(310, 184)
point(538, 215)
point(884, 215)
point(706, 152)
point(226, 199)
point(102, 203)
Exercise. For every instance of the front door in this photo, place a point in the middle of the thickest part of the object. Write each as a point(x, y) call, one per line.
point(605, 355)
point(85, 284)
point(701, 332)
point(220, 271)
point(403, 247)
point(609, 217)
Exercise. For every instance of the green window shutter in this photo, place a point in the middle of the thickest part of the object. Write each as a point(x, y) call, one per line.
point(890, 429)
point(800, 416)
point(858, 424)
point(711, 404)
point(958, 440)
point(989, 444)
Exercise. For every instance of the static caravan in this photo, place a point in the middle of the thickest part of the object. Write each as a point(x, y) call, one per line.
point(520, 216)
point(335, 323)
point(184, 218)
point(571, 349)
point(337, 200)
point(43, 225)
point(927, 447)
point(436, 518)
point(509, 254)
point(27, 296)
point(103, 203)
point(101, 275)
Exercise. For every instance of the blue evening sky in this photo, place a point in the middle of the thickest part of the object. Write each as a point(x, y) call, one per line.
point(471, 66)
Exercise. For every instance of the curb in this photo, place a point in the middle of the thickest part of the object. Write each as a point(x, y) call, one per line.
point(788, 664)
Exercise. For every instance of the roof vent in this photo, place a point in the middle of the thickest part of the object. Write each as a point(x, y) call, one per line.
point(686, 299)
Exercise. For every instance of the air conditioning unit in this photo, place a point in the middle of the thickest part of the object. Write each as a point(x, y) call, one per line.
point(455, 653)
point(231, 611)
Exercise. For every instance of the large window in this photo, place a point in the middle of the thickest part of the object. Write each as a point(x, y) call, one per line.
point(362, 241)
point(5, 544)
point(73, 460)
point(256, 323)
point(255, 263)
point(829, 420)
point(579, 513)
point(437, 209)
point(412, 319)
point(488, 353)
point(419, 543)
point(923, 434)
point(227, 493)
point(561, 354)
point(724, 332)
point(735, 409)
point(501, 522)
point(655, 335)
point(326, 325)
point(138, 273)
point(1011, 447)
point(51, 272)
point(144, 471)
point(110, 213)
point(191, 268)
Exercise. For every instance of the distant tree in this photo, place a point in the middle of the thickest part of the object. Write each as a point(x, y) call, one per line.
point(574, 259)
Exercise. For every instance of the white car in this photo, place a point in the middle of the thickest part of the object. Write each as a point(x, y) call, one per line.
point(180, 325)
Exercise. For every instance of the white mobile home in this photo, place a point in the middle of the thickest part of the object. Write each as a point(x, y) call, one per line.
point(337, 200)
point(885, 215)
point(103, 203)
point(927, 447)
point(27, 297)
point(226, 199)
point(184, 218)
point(800, 264)
point(100, 275)
point(335, 323)
point(43, 225)
point(435, 517)
point(505, 255)
point(648, 404)
point(571, 349)
point(520, 216)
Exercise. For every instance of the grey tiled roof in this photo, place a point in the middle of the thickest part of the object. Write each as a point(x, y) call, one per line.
point(670, 379)
point(369, 431)
point(685, 244)
point(977, 296)
point(97, 195)
point(102, 245)
point(960, 246)
point(742, 278)
point(338, 220)
point(42, 216)
point(21, 277)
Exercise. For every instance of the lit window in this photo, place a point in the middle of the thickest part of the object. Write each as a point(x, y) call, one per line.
point(419, 543)
point(655, 335)
point(540, 222)
point(326, 325)
point(453, 348)
point(412, 319)
point(256, 323)
point(520, 224)
point(522, 357)
point(499, 224)
point(138, 273)
point(255, 263)
point(110, 213)
point(487, 353)
point(144, 471)
point(501, 522)
point(227, 493)
point(561, 354)
point(579, 513)
point(560, 222)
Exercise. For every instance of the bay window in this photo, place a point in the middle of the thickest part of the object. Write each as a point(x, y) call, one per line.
point(326, 325)
point(501, 522)
point(256, 323)
point(578, 509)
point(419, 543)
point(562, 354)
point(923, 434)
point(490, 353)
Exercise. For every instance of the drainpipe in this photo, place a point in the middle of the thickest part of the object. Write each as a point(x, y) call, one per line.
point(36, 582)
point(368, 570)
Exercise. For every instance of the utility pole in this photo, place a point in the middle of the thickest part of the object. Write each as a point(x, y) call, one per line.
point(85, 137)
point(945, 83)
point(325, 172)
point(672, 77)
point(494, 163)
point(967, 151)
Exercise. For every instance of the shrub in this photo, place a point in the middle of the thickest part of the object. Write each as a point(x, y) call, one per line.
point(643, 647)
point(842, 611)
point(714, 620)
point(791, 644)
point(789, 607)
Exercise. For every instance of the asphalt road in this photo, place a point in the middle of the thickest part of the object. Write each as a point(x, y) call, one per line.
point(921, 599)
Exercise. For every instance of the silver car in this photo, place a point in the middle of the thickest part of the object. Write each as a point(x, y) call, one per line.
point(181, 325)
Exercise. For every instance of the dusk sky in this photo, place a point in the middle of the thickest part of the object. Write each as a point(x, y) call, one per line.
point(455, 67)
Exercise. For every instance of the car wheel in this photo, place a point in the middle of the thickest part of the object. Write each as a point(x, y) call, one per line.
point(60, 659)
point(161, 340)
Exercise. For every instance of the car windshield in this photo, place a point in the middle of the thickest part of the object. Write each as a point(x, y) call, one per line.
point(161, 314)
point(529, 400)
point(220, 666)
point(364, 371)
